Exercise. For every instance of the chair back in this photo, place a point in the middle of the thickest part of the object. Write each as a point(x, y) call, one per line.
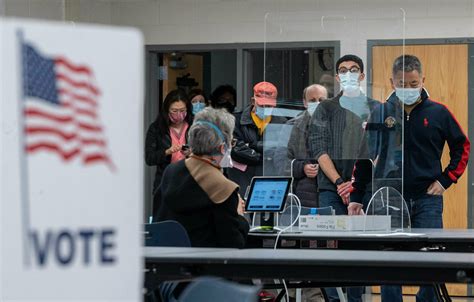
point(204, 289)
point(166, 233)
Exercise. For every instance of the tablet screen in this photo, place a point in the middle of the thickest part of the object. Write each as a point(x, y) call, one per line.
point(267, 194)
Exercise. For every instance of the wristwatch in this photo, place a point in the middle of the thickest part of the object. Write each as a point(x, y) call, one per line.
point(339, 181)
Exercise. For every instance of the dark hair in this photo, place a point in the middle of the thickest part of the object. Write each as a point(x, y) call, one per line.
point(353, 58)
point(410, 63)
point(196, 91)
point(219, 91)
point(172, 97)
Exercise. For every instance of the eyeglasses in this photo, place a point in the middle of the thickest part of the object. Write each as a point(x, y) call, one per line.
point(353, 69)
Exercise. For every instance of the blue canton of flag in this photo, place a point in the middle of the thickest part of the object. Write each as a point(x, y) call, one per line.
point(39, 77)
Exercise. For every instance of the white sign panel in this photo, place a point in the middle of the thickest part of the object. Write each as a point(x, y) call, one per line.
point(71, 174)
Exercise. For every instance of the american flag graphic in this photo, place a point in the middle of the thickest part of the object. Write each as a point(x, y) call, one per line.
point(61, 109)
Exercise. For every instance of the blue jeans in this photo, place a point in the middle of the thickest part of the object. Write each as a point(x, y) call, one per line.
point(331, 198)
point(425, 212)
point(354, 294)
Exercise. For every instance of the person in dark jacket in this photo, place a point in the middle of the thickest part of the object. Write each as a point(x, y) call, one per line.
point(296, 155)
point(336, 134)
point(249, 131)
point(427, 126)
point(195, 191)
point(224, 96)
point(336, 140)
point(167, 135)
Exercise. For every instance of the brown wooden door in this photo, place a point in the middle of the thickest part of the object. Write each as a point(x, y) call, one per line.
point(194, 68)
point(446, 70)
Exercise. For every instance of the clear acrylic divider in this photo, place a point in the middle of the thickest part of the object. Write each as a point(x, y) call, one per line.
point(361, 122)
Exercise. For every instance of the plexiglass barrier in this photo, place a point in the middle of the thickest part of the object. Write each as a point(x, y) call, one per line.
point(351, 135)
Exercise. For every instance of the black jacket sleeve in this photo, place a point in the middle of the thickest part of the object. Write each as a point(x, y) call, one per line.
point(155, 147)
point(244, 152)
point(459, 148)
point(231, 228)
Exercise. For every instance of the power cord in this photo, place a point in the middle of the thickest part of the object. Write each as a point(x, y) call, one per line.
point(298, 202)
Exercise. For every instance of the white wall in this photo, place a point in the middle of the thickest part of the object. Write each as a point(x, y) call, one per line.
point(352, 22)
point(38, 9)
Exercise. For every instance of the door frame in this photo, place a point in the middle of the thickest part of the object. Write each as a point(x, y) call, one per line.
point(470, 103)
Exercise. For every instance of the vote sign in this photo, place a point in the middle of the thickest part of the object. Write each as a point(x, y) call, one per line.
point(71, 174)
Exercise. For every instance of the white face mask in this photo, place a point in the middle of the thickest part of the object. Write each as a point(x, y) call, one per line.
point(350, 84)
point(226, 161)
point(408, 96)
point(312, 107)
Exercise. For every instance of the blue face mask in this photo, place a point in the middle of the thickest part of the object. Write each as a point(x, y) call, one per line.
point(198, 107)
point(350, 83)
point(408, 96)
point(312, 107)
point(262, 112)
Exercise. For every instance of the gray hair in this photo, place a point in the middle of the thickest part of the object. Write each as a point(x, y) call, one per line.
point(203, 138)
point(406, 63)
point(315, 86)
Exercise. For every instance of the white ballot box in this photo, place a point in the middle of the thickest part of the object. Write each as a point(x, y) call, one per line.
point(344, 223)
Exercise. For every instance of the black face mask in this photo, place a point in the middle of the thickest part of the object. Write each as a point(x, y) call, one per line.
point(228, 106)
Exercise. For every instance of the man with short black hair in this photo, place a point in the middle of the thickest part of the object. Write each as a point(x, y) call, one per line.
point(427, 126)
point(336, 134)
point(336, 138)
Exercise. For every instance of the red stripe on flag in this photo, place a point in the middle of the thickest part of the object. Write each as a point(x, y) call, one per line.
point(78, 110)
point(88, 127)
point(76, 84)
point(95, 157)
point(77, 97)
point(66, 155)
point(35, 112)
point(92, 141)
point(99, 158)
point(50, 130)
point(76, 68)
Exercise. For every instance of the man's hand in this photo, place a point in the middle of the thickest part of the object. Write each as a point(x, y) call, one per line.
point(311, 170)
point(355, 208)
point(344, 190)
point(435, 189)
